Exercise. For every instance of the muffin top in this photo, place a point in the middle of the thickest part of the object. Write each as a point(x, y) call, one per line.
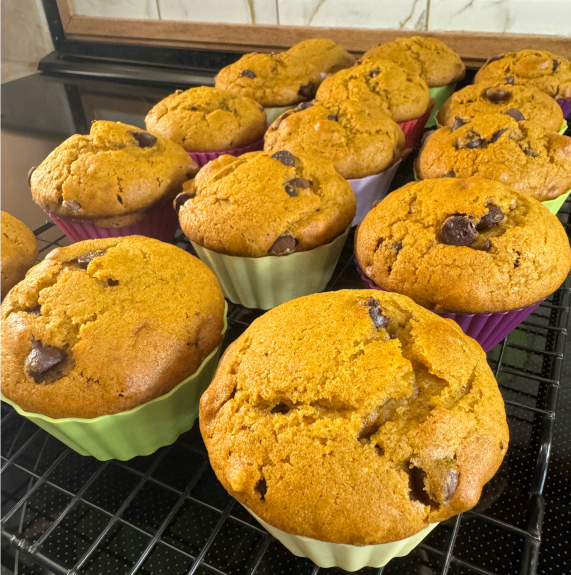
point(115, 170)
point(380, 84)
point(359, 140)
point(19, 251)
point(327, 56)
point(464, 245)
point(520, 102)
point(207, 119)
point(523, 155)
point(380, 416)
point(105, 325)
point(265, 203)
point(538, 68)
point(428, 58)
point(271, 79)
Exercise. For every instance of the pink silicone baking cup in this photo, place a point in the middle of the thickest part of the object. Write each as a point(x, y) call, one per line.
point(160, 223)
point(202, 158)
point(565, 106)
point(414, 129)
point(488, 329)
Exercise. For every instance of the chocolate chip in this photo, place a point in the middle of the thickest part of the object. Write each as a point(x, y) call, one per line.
point(282, 408)
point(112, 282)
point(477, 142)
point(458, 230)
point(374, 73)
point(193, 108)
point(333, 117)
point(283, 245)
point(119, 199)
point(450, 174)
point(37, 310)
point(494, 59)
point(304, 106)
point(247, 73)
point(497, 135)
point(292, 185)
point(84, 260)
point(516, 263)
point(32, 170)
point(515, 114)
point(498, 96)
point(41, 359)
point(509, 80)
point(71, 205)
point(307, 90)
point(397, 246)
point(458, 123)
point(379, 450)
point(530, 152)
point(555, 65)
point(144, 139)
point(181, 199)
point(376, 314)
point(491, 219)
point(285, 157)
point(450, 485)
point(486, 247)
point(262, 109)
point(262, 488)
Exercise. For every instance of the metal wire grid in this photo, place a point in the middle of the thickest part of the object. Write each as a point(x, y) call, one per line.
point(167, 513)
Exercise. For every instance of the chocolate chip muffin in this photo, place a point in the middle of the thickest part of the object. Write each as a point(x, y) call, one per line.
point(111, 177)
point(207, 119)
point(428, 58)
point(464, 245)
point(19, 251)
point(265, 204)
point(271, 79)
point(519, 102)
point(522, 154)
point(380, 84)
point(327, 56)
point(362, 422)
point(360, 141)
point(102, 326)
point(538, 68)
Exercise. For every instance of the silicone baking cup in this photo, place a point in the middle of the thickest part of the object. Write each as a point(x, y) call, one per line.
point(272, 113)
point(440, 94)
point(202, 158)
point(565, 106)
point(269, 281)
point(414, 129)
point(138, 431)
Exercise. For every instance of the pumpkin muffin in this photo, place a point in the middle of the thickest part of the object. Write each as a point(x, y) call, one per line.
point(519, 102)
point(103, 326)
point(327, 56)
point(464, 245)
point(378, 415)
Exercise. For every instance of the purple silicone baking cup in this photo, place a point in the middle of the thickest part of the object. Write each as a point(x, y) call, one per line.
point(160, 223)
point(488, 329)
point(565, 106)
point(202, 158)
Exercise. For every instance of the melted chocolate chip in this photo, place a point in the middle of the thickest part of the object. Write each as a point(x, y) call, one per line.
point(516, 263)
point(333, 117)
point(41, 359)
point(458, 230)
point(486, 247)
point(84, 260)
point(530, 152)
point(304, 106)
point(376, 314)
point(283, 245)
point(374, 73)
point(181, 199)
point(497, 135)
point(261, 109)
point(32, 170)
point(555, 65)
point(379, 450)
point(285, 157)
point(397, 246)
point(509, 80)
point(491, 219)
point(37, 310)
point(307, 90)
point(144, 139)
point(450, 485)
point(494, 59)
point(450, 174)
point(262, 488)
point(292, 185)
point(498, 96)
point(515, 114)
point(458, 123)
point(477, 142)
point(247, 73)
point(112, 283)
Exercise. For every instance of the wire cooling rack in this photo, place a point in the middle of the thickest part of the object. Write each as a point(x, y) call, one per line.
point(168, 514)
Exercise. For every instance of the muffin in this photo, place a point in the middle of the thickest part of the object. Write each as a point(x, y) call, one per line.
point(114, 178)
point(381, 418)
point(519, 102)
point(429, 58)
point(206, 119)
point(325, 55)
point(538, 68)
point(19, 251)
point(523, 155)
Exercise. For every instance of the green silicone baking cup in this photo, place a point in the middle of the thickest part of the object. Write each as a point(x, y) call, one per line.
point(440, 95)
point(272, 113)
point(555, 205)
point(139, 431)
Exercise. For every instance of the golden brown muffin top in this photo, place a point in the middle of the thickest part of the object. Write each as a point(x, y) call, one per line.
point(380, 84)
point(115, 170)
point(520, 102)
point(327, 56)
point(428, 58)
point(522, 155)
point(466, 245)
point(206, 119)
point(270, 79)
point(359, 140)
point(539, 68)
point(265, 203)
point(354, 417)
point(105, 325)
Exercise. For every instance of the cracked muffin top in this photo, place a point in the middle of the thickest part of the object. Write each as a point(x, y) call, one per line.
point(519, 102)
point(360, 141)
point(428, 58)
point(116, 170)
point(464, 245)
point(523, 155)
point(105, 325)
point(19, 251)
point(380, 84)
point(354, 417)
point(265, 204)
point(538, 68)
point(325, 55)
point(271, 79)
point(206, 119)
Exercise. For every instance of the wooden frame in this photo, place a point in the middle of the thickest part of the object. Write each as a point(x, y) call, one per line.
point(474, 47)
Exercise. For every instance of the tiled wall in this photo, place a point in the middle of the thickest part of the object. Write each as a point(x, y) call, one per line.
point(516, 16)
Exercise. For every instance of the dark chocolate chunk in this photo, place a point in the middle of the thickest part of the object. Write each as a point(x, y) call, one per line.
point(458, 230)
point(530, 152)
point(498, 96)
point(37, 310)
point(283, 245)
point(497, 135)
point(304, 106)
point(262, 488)
point(376, 314)
point(247, 73)
point(261, 109)
point(193, 108)
point(41, 359)
point(450, 485)
point(307, 90)
point(181, 199)
point(374, 73)
point(32, 170)
point(83, 261)
point(458, 123)
point(486, 247)
point(516, 263)
point(282, 408)
point(477, 142)
point(285, 157)
point(555, 65)
point(144, 139)
point(333, 117)
point(450, 174)
point(112, 282)
point(292, 185)
point(119, 199)
point(397, 246)
point(509, 80)
point(494, 59)
point(516, 114)
point(491, 219)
